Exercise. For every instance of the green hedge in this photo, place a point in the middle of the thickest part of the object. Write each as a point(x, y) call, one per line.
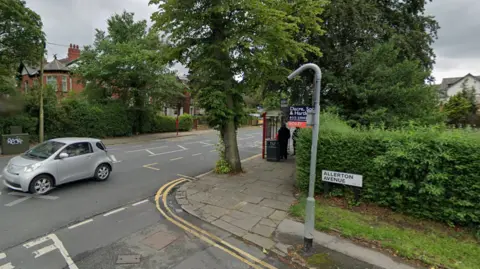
point(79, 118)
point(427, 173)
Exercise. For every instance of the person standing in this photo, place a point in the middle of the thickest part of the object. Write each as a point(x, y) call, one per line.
point(283, 137)
point(294, 138)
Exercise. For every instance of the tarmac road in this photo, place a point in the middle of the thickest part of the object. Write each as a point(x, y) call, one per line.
point(140, 170)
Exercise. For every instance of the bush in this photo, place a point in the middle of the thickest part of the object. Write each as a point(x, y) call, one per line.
point(427, 172)
point(77, 117)
point(164, 124)
point(185, 122)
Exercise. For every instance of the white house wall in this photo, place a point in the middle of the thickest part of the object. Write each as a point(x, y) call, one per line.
point(469, 83)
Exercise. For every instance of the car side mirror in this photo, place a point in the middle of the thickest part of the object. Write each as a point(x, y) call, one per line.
point(63, 155)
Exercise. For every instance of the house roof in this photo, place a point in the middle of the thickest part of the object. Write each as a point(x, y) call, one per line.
point(448, 82)
point(56, 65)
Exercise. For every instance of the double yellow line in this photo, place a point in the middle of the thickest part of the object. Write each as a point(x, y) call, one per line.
point(200, 233)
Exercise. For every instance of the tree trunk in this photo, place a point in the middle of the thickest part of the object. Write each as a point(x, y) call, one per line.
point(229, 136)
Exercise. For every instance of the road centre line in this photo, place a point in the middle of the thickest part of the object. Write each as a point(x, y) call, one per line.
point(46, 197)
point(196, 154)
point(17, 201)
point(80, 224)
point(168, 152)
point(138, 150)
point(174, 159)
point(114, 211)
point(141, 202)
point(149, 151)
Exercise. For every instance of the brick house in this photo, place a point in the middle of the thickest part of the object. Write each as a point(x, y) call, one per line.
point(56, 73)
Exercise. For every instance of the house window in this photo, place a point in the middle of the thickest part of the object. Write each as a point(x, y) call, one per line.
point(25, 87)
point(64, 84)
point(52, 82)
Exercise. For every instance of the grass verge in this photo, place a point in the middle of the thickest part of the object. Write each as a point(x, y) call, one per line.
point(431, 243)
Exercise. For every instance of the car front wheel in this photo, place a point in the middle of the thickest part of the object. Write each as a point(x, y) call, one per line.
point(41, 184)
point(102, 172)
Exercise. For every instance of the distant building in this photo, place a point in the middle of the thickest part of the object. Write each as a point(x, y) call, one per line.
point(451, 86)
point(59, 76)
point(56, 73)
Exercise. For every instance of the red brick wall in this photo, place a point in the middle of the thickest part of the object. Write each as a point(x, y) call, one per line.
point(74, 85)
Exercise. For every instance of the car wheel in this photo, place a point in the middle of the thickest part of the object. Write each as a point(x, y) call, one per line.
point(41, 184)
point(102, 172)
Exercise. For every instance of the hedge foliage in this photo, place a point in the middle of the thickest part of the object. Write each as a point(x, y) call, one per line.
point(79, 118)
point(425, 172)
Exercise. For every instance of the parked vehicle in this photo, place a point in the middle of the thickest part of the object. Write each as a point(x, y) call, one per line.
point(55, 162)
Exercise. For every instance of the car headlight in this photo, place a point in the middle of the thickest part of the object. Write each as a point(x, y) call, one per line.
point(32, 167)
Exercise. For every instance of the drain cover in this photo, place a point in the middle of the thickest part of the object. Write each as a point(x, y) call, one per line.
point(128, 259)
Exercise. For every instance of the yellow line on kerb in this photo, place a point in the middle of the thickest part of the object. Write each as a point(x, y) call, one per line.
point(200, 233)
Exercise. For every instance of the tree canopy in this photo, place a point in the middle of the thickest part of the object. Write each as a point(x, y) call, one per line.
point(233, 46)
point(21, 40)
point(128, 61)
point(359, 25)
point(382, 87)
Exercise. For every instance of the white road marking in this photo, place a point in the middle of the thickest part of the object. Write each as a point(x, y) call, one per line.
point(138, 150)
point(141, 202)
point(46, 197)
point(2, 256)
point(196, 154)
point(57, 244)
point(7, 266)
point(114, 159)
point(213, 150)
point(176, 159)
point(149, 166)
point(36, 242)
point(44, 250)
point(168, 152)
point(186, 177)
point(114, 211)
point(64, 252)
point(151, 153)
point(80, 223)
point(17, 201)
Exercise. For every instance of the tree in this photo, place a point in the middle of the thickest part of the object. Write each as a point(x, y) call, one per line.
point(128, 61)
point(232, 47)
point(359, 25)
point(462, 107)
point(21, 40)
point(383, 88)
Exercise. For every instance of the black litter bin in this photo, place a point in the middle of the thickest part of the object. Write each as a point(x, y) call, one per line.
point(273, 150)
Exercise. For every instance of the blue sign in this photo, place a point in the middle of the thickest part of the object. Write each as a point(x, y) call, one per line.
point(299, 113)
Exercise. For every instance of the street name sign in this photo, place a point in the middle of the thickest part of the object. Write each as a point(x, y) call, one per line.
point(342, 178)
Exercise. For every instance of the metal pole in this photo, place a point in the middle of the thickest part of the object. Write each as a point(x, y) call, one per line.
point(41, 117)
point(310, 207)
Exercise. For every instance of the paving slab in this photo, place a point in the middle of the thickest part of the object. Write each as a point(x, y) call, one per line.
point(278, 215)
point(264, 242)
point(275, 204)
point(258, 210)
point(229, 228)
point(263, 230)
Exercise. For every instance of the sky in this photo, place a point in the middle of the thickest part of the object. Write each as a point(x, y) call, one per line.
point(75, 21)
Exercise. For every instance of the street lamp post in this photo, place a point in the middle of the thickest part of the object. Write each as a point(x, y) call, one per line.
point(310, 207)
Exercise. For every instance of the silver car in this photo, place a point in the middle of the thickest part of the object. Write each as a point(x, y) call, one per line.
point(55, 162)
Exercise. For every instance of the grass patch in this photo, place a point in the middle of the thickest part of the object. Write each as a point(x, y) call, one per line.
point(428, 242)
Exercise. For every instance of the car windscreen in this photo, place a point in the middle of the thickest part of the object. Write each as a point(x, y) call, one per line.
point(44, 150)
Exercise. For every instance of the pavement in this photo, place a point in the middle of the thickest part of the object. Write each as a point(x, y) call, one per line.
point(89, 224)
point(254, 206)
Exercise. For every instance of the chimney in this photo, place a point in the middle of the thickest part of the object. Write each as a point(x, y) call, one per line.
point(73, 52)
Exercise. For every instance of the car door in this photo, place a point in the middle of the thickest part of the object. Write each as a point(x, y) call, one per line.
point(78, 163)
